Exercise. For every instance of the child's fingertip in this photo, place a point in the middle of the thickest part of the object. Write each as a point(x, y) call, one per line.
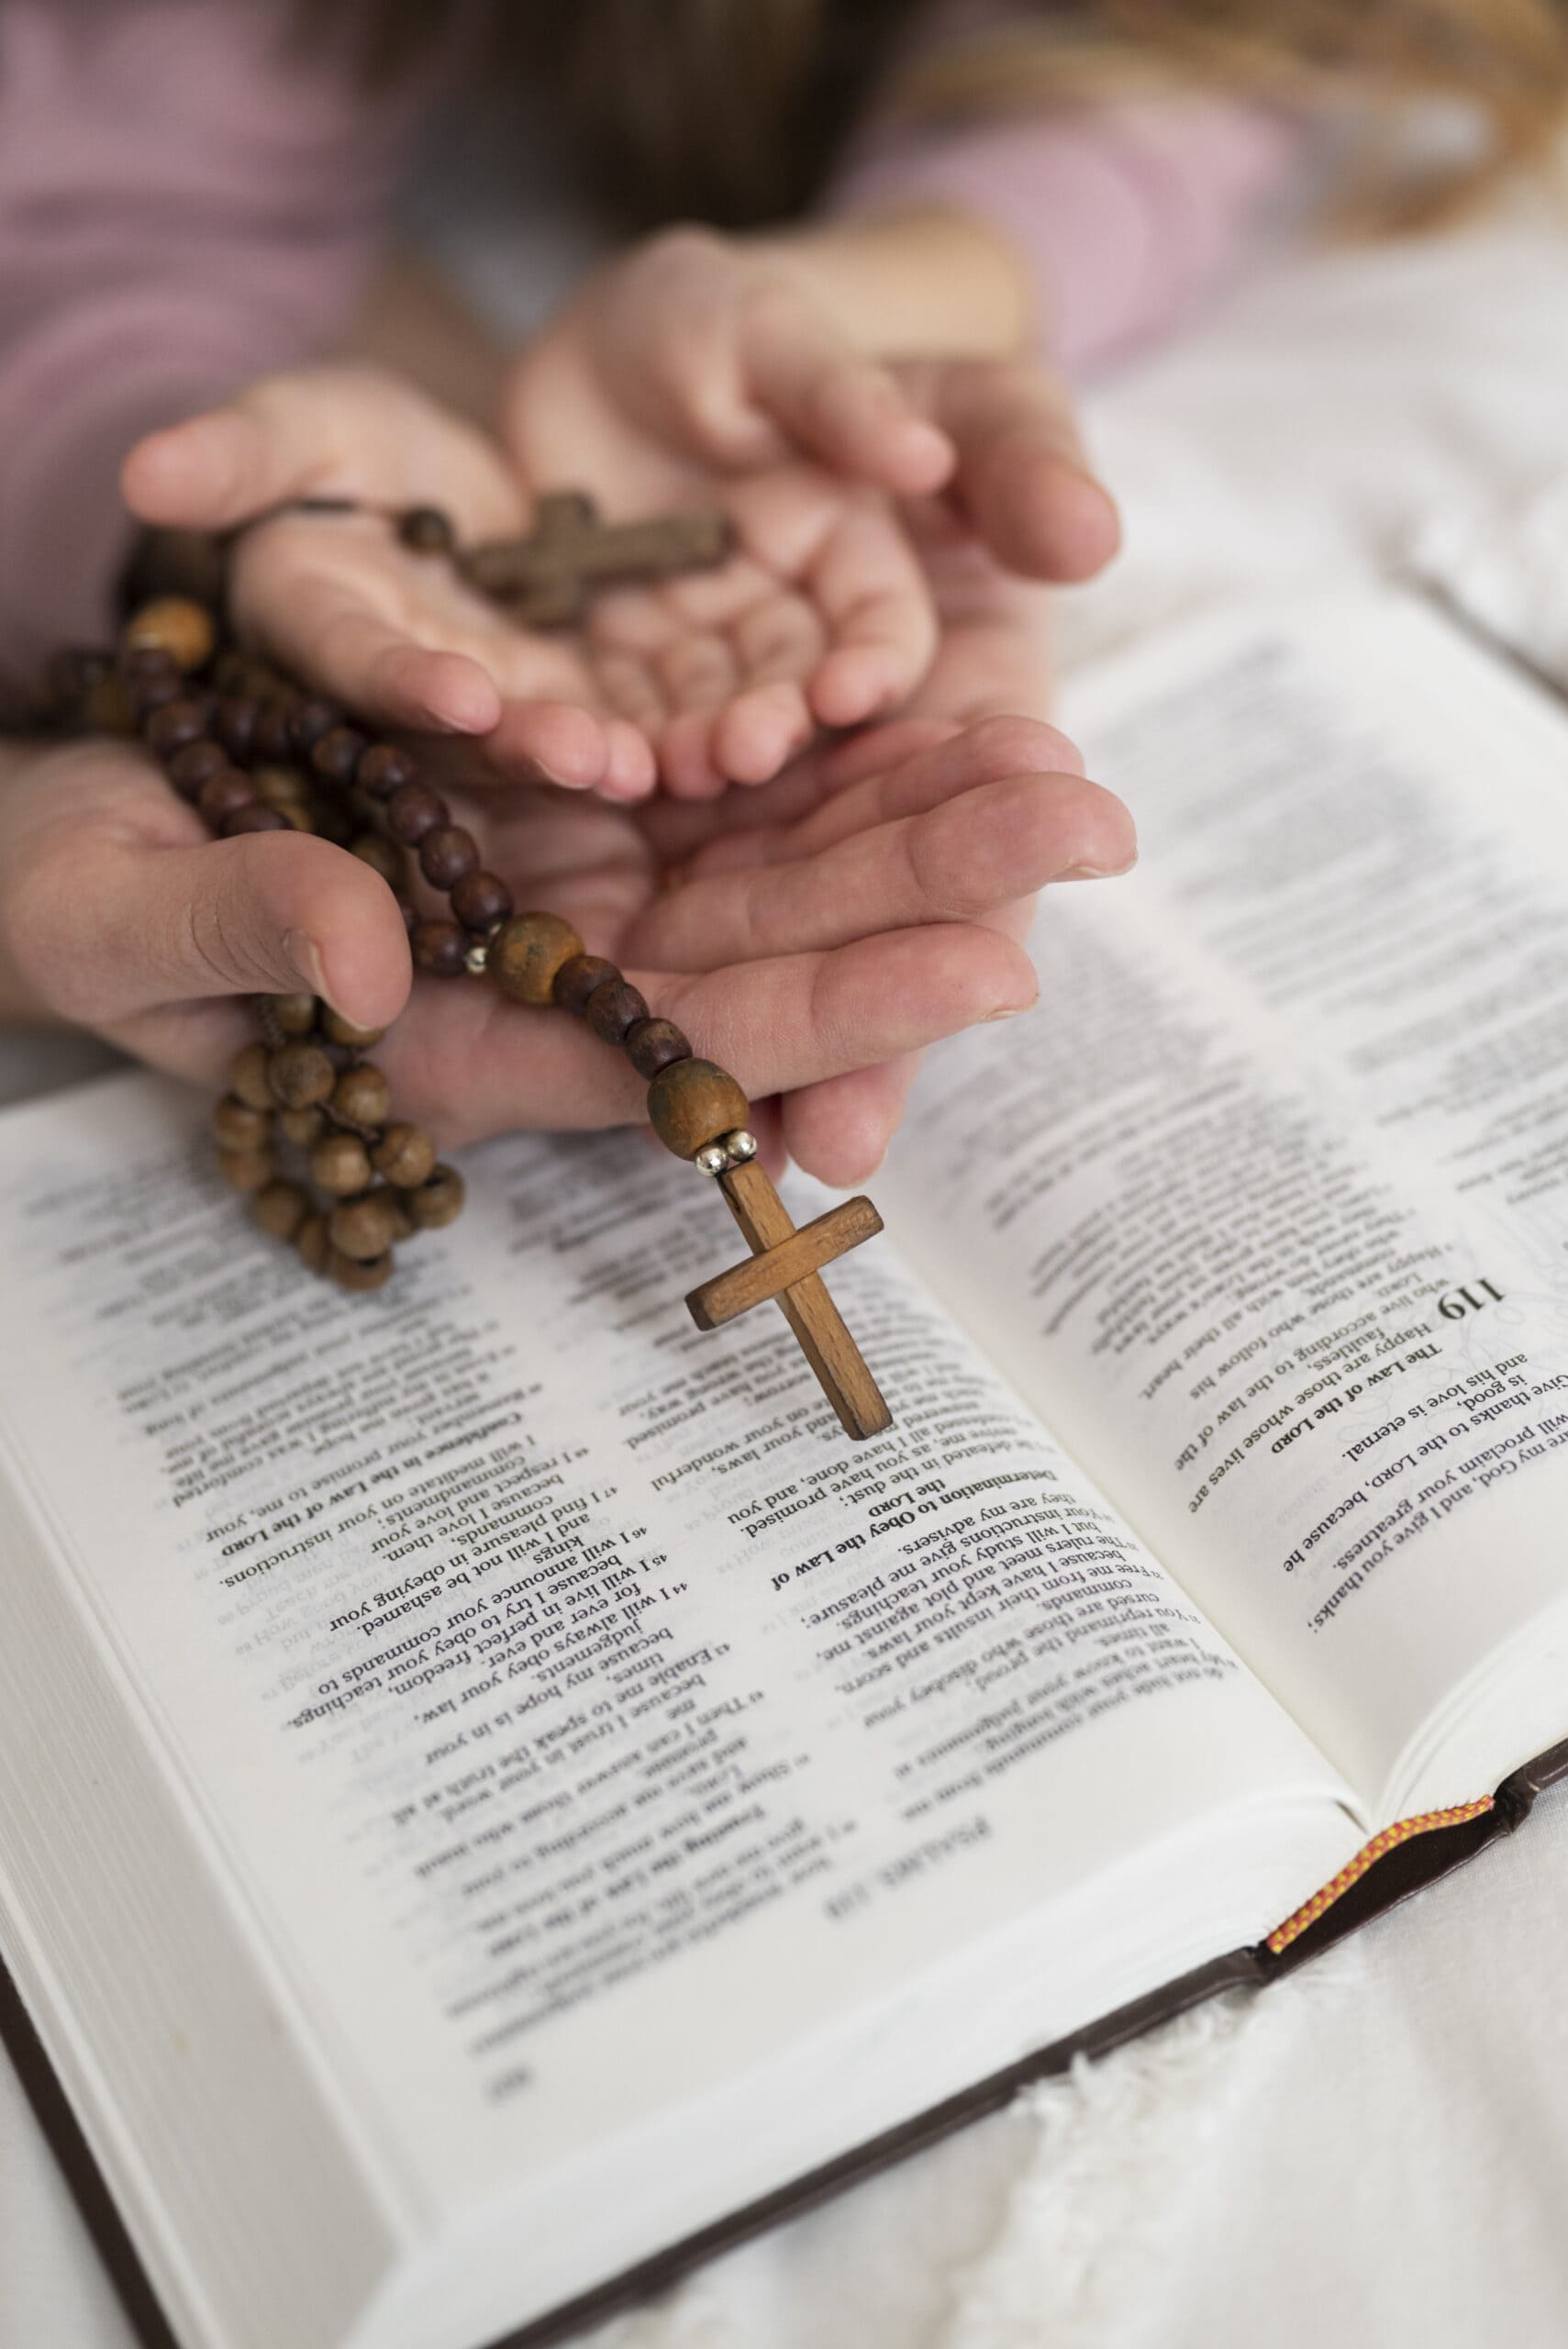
point(556, 743)
point(468, 704)
point(849, 688)
point(187, 473)
point(926, 451)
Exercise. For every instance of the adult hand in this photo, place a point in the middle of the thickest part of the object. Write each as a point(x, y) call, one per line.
point(850, 933)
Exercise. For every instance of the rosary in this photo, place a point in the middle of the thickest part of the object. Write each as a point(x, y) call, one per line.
point(253, 752)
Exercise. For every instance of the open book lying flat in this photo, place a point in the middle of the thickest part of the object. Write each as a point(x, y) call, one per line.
point(497, 1797)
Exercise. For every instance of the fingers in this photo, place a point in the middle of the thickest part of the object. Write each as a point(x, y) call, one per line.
point(1022, 479)
point(835, 405)
point(869, 586)
point(958, 861)
point(864, 783)
point(760, 732)
point(322, 626)
point(467, 1063)
point(555, 741)
point(840, 1129)
point(631, 771)
point(110, 928)
point(797, 1019)
point(348, 431)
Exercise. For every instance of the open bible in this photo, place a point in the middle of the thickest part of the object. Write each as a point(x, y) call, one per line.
point(497, 1796)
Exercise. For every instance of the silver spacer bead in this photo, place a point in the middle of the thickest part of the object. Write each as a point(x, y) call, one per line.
point(476, 961)
point(738, 1146)
point(713, 1158)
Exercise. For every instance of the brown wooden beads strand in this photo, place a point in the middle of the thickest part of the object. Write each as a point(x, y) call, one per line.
point(252, 753)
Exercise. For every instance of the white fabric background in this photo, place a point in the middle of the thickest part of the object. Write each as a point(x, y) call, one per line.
point(1376, 2151)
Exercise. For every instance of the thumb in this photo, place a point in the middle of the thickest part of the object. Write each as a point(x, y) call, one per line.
point(220, 469)
point(342, 430)
point(268, 913)
point(836, 405)
point(1023, 481)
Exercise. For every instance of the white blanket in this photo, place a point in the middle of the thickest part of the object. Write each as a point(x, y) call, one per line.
point(1375, 2152)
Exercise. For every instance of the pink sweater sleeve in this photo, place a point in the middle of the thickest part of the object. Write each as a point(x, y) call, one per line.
point(184, 203)
point(1127, 217)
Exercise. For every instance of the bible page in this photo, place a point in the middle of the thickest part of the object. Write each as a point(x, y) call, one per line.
point(1265, 1205)
point(586, 1722)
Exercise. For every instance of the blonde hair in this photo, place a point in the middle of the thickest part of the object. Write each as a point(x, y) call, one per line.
point(1500, 66)
point(732, 111)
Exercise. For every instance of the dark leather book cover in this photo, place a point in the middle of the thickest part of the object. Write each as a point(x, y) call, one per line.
point(1416, 1856)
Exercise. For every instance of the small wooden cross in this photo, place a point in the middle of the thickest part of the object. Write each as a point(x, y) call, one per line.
point(547, 575)
point(785, 1265)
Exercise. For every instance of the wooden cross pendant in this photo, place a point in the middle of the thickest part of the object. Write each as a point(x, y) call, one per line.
point(786, 1266)
point(548, 576)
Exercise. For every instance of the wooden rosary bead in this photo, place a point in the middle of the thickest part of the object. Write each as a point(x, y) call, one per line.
point(438, 1200)
point(230, 671)
point(348, 1273)
point(175, 725)
point(440, 948)
point(246, 1170)
point(481, 901)
point(240, 1126)
point(446, 854)
point(383, 856)
point(383, 770)
point(190, 768)
point(340, 1164)
point(404, 1155)
point(311, 1241)
point(526, 953)
point(413, 810)
point(139, 662)
point(692, 1102)
point(278, 787)
point(144, 693)
point(335, 754)
point(427, 530)
point(175, 624)
point(235, 721)
point(109, 708)
point(363, 1227)
point(224, 794)
point(339, 1030)
point(254, 818)
point(302, 1127)
point(274, 741)
point(275, 785)
point(362, 1095)
point(301, 1075)
point(281, 1209)
point(248, 1079)
point(614, 1007)
point(296, 1014)
point(652, 1045)
point(577, 978)
point(307, 721)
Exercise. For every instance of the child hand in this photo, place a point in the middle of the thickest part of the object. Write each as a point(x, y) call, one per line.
point(338, 600)
point(694, 371)
point(823, 581)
